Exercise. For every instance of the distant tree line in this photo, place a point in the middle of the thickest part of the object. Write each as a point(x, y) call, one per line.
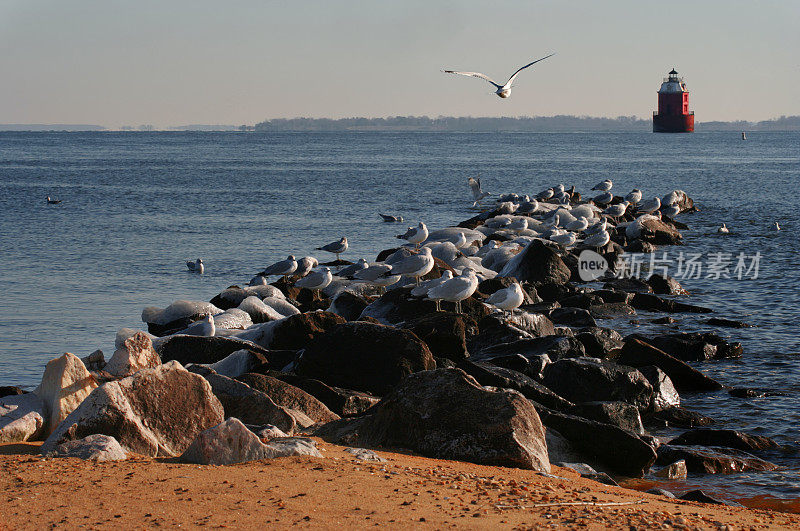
point(559, 123)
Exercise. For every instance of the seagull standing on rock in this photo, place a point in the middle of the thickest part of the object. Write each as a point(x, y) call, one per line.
point(196, 266)
point(305, 265)
point(598, 240)
point(377, 276)
point(415, 235)
point(615, 211)
point(503, 91)
point(208, 328)
point(456, 289)
point(316, 280)
point(425, 287)
point(603, 186)
point(649, 206)
point(507, 298)
point(416, 265)
point(634, 196)
point(284, 268)
point(337, 247)
point(351, 270)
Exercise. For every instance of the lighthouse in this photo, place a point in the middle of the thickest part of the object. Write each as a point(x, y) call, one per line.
point(673, 114)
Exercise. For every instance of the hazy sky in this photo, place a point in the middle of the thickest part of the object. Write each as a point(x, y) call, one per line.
point(231, 62)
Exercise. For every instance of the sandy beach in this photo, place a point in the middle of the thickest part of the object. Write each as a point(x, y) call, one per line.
point(335, 491)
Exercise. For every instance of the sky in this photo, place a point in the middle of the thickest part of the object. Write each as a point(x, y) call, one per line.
point(174, 62)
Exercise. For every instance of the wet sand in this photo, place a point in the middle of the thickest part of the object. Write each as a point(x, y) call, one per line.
point(335, 491)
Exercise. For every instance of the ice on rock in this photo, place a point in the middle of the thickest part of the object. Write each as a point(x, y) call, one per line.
point(178, 310)
point(233, 319)
point(281, 306)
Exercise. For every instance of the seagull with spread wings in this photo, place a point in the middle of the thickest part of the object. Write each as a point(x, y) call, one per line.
point(504, 91)
point(477, 192)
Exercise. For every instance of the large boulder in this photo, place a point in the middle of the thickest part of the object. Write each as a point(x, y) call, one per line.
point(658, 232)
point(231, 442)
point(446, 414)
point(65, 384)
point(599, 342)
point(365, 356)
point(637, 353)
point(712, 460)
point(289, 396)
point(249, 405)
point(343, 402)
point(233, 296)
point(135, 354)
point(294, 332)
point(695, 346)
point(445, 333)
point(21, 417)
point(594, 380)
point(664, 394)
point(348, 304)
point(554, 347)
point(206, 350)
point(538, 263)
point(238, 363)
point(398, 305)
point(156, 412)
point(727, 438)
point(680, 417)
point(618, 450)
point(95, 447)
point(494, 376)
point(666, 285)
point(618, 414)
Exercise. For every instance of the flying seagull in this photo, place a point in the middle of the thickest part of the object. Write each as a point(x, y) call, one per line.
point(477, 191)
point(504, 91)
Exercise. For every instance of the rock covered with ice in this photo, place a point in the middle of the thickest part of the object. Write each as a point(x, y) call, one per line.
point(178, 310)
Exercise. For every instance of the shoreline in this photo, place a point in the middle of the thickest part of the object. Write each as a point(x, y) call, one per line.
point(337, 490)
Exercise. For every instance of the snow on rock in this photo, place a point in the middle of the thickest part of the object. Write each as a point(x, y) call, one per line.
point(259, 311)
point(281, 305)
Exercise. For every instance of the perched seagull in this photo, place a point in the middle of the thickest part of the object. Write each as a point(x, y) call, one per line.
point(603, 186)
point(424, 287)
point(579, 225)
point(528, 207)
point(284, 267)
point(415, 235)
point(634, 196)
point(337, 247)
point(316, 280)
point(52, 201)
point(649, 206)
point(456, 289)
point(598, 240)
point(258, 280)
point(723, 229)
point(477, 192)
point(598, 227)
point(672, 210)
point(391, 219)
point(305, 265)
point(545, 194)
point(565, 240)
point(503, 91)
point(518, 225)
point(208, 328)
point(375, 275)
point(351, 270)
point(507, 298)
point(615, 211)
point(603, 198)
point(459, 240)
point(559, 189)
point(196, 266)
point(416, 265)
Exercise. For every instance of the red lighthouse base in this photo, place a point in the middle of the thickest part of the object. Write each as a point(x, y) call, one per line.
point(681, 123)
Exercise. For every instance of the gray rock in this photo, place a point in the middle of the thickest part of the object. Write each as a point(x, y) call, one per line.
point(362, 454)
point(206, 350)
point(446, 414)
point(676, 470)
point(621, 414)
point(593, 380)
point(156, 412)
point(237, 363)
point(637, 353)
point(95, 447)
point(727, 438)
point(664, 394)
point(231, 442)
point(538, 263)
point(21, 418)
point(712, 459)
point(289, 396)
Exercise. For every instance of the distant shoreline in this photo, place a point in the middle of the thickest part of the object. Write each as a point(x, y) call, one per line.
point(523, 124)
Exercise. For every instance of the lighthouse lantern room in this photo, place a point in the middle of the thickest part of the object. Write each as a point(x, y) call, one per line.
point(673, 115)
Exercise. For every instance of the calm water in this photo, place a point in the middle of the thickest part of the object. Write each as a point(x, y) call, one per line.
point(137, 205)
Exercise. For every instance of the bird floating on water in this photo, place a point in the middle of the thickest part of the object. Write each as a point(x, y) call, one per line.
point(52, 201)
point(503, 91)
point(391, 219)
point(196, 266)
point(723, 229)
point(777, 227)
point(415, 235)
point(337, 247)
